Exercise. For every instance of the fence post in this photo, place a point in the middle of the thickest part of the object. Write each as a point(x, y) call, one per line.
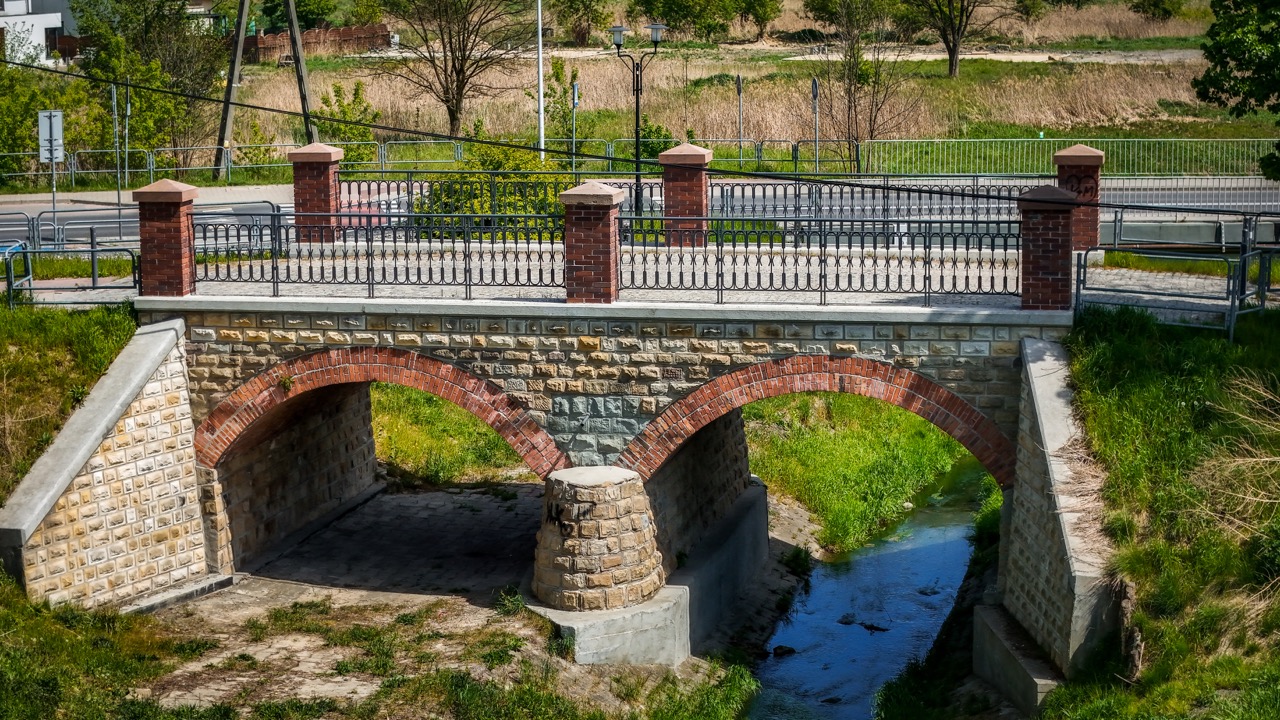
point(685, 194)
point(1080, 172)
point(315, 190)
point(1048, 218)
point(591, 242)
point(166, 238)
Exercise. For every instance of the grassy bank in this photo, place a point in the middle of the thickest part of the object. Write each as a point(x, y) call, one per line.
point(1191, 503)
point(850, 460)
point(49, 360)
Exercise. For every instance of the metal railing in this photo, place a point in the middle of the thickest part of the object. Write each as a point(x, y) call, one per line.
point(21, 264)
point(499, 192)
point(976, 197)
point(732, 259)
point(1160, 157)
point(411, 250)
point(1206, 283)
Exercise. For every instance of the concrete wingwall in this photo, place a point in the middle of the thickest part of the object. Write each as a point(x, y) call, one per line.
point(111, 510)
point(1053, 554)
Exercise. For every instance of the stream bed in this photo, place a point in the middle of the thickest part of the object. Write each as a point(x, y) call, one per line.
point(868, 613)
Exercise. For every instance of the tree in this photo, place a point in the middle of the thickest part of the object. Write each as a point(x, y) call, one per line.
point(955, 21)
point(868, 93)
point(704, 18)
point(456, 50)
point(1243, 51)
point(311, 13)
point(761, 13)
point(1156, 9)
point(357, 109)
point(580, 17)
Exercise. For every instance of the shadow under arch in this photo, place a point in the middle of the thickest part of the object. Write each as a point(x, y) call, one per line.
point(665, 434)
point(297, 376)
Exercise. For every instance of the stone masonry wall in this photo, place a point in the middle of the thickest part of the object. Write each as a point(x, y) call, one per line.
point(594, 384)
point(697, 486)
point(129, 523)
point(294, 465)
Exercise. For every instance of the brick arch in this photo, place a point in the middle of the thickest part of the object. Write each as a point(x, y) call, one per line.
point(265, 391)
point(909, 390)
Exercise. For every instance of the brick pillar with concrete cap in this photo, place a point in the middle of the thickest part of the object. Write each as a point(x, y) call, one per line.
point(591, 242)
point(315, 190)
point(597, 548)
point(1048, 218)
point(1080, 172)
point(166, 238)
point(686, 194)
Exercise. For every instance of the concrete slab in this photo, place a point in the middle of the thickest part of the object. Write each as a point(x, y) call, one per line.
point(1006, 657)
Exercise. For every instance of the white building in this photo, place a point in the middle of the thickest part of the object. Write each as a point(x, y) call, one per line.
point(27, 30)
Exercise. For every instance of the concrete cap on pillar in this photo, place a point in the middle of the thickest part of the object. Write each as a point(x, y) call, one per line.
point(593, 193)
point(592, 476)
point(685, 154)
point(1079, 155)
point(1046, 197)
point(316, 152)
point(166, 191)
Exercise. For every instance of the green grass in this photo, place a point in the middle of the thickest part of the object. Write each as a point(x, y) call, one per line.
point(1154, 403)
point(852, 461)
point(1177, 42)
point(49, 360)
point(54, 267)
point(1154, 263)
point(426, 441)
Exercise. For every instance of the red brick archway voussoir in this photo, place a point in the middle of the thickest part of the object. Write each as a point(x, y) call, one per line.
point(302, 374)
point(909, 390)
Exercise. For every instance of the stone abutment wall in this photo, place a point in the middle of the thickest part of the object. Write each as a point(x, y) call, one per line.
point(299, 462)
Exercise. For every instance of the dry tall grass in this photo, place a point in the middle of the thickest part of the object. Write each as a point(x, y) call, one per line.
point(1106, 21)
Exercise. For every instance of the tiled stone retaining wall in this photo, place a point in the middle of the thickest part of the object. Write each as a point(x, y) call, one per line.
point(297, 463)
point(125, 521)
point(697, 486)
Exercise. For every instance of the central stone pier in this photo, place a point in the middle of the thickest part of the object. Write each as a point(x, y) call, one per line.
point(597, 549)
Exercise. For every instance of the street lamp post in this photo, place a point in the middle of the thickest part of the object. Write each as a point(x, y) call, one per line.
point(637, 86)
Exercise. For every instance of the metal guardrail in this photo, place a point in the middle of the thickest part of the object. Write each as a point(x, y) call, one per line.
point(821, 255)
point(1159, 157)
point(21, 261)
point(499, 192)
point(1208, 284)
point(409, 249)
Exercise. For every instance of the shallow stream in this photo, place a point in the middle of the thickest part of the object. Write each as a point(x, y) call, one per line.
point(868, 613)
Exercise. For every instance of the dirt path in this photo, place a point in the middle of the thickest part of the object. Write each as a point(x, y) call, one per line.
point(805, 52)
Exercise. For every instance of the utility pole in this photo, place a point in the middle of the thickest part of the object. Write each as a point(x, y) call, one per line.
point(542, 123)
point(237, 52)
point(229, 95)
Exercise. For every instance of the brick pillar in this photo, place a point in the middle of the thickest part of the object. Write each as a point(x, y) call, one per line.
point(685, 194)
point(1047, 232)
point(166, 238)
point(315, 190)
point(597, 549)
point(591, 242)
point(1080, 172)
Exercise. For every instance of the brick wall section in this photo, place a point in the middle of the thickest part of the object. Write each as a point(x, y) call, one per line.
point(662, 437)
point(591, 386)
point(1080, 173)
point(315, 190)
point(591, 243)
point(596, 548)
point(698, 485)
point(685, 194)
point(1047, 232)
point(256, 399)
point(299, 461)
point(166, 238)
point(129, 523)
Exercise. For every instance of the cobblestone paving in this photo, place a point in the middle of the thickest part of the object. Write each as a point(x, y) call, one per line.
point(468, 542)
